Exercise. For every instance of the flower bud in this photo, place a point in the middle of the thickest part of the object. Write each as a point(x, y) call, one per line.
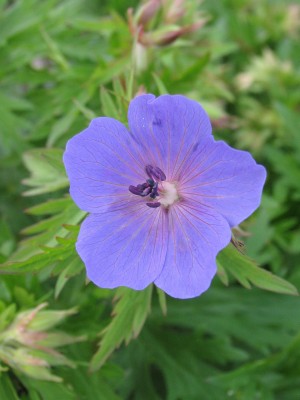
point(147, 11)
point(168, 35)
point(292, 19)
point(175, 11)
point(26, 345)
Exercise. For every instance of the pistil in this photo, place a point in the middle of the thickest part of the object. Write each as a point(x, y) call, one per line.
point(168, 194)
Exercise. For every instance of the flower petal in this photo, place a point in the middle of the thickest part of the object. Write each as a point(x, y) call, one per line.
point(101, 163)
point(168, 128)
point(196, 235)
point(226, 179)
point(125, 247)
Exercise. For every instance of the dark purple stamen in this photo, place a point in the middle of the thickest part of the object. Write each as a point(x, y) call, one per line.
point(155, 173)
point(154, 191)
point(140, 190)
point(153, 204)
point(150, 187)
point(135, 190)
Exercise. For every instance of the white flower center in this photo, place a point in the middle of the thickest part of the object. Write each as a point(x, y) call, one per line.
point(168, 194)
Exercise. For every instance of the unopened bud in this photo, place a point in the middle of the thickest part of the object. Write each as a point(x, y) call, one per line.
point(57, 339)
point(167, 36)
point(175, 11)
point(147, 11)
point(131, 24)
point(30, 338)
point(292, 20)
point(26, 346)
point(45, 320)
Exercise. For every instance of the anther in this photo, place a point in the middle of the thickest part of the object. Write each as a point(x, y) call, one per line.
point(155, 173)
point(154, 191)
point(150, 187)
point(135, 190)
point(153, 205)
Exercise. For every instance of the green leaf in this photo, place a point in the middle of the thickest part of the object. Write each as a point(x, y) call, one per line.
point(162, 301)
point(222, 274)
point(92, 386)
point(64, 123)
point(104, 75)
point(19, 17)
point(49, 230)
point(47, 171)
point(108, 106)
point(49, 207)
point(23, 297)
point(7, 391)
point(59, 256)
point(160, 85)
point(129, 316)
point(85, 111)
point(33, 264)
point(74, 268)
point(54, 51)
point(175, 363)
point(49, 390)
point(193, 71)
point(7, 316)
point(247, 272)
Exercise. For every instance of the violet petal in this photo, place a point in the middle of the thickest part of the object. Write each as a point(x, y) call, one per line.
point(123, 248)
point(196, 235)
point(168, 128)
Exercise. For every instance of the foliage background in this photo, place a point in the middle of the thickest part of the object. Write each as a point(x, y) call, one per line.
point(63, 62)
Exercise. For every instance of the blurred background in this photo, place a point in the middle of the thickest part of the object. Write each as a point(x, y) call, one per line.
point(65, 62)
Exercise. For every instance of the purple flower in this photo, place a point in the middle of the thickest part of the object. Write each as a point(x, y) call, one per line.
point(162, 196)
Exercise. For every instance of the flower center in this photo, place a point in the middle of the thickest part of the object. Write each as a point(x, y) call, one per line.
point(168, 194)
point(153, 188)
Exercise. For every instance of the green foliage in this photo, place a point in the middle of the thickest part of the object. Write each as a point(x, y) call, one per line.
point(63, 63)
point(247, 272)
point(215, 354)
point(46, 176)
point(129, 317)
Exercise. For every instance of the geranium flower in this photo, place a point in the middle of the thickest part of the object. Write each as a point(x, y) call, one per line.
point(162, 196)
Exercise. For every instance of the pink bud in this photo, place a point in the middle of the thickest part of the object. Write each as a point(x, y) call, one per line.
point(31, 338)
point(175, 11)
point(166, 37)
point(147, 11)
